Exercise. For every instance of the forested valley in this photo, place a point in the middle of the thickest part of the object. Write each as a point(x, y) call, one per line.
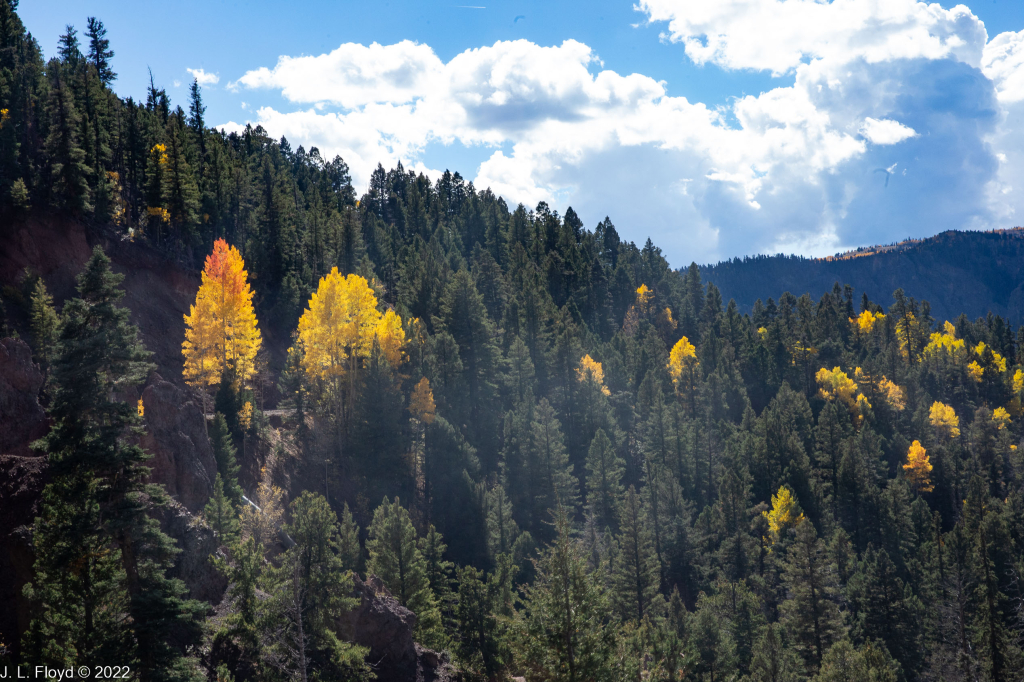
point(569, 460)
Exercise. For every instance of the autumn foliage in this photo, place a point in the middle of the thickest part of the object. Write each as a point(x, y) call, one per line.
point(340, 326)
point(918, 467)
point(944, 419)
point(221, 330)
point(591, 370)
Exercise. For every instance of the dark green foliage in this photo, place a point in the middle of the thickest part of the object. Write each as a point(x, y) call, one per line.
point(96, 510)
point(887, 578)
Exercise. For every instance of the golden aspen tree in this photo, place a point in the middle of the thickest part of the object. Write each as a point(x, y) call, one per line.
point(944, 419)
point(918, 468)
point(835, 384)
point(591, 370)
point(1001, 418)
point(682, 367)
point(784, 514)
point(421, 402)
point(865, 322)
point(390, 336)
point(221, 331)
point(337, 333)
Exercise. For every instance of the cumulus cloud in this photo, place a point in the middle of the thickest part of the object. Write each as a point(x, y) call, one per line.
point(792, 168)
point(780, 35)
point(204, 78)
point(1003, 62)
point(885, 131)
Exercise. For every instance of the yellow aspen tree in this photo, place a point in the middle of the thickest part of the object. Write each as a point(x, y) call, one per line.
point(421, 402)
point(865, 322)
point(682, 367)
point(835, 384)
point(390, 336)
point(784, 514)
point(918, 468)
point(591, 370)
point(944, 419)
point(1001, 418)
point(221, 331)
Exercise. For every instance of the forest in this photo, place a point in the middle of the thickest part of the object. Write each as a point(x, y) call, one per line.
point(569, 460)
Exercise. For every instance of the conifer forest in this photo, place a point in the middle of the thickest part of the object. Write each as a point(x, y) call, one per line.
point(553, 455)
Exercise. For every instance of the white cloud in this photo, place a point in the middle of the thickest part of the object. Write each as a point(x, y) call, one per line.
point(780, 35)
point(204, 78)
point(885, 131)
point(1003, 62)
point(794, 169)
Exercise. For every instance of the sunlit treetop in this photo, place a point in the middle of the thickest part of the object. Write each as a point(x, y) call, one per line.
point(944, 419)
point(834, 384)
point(784, 514)
point(221, 329)
point(944, 343)
point(421, 402)
point(590, 370)
point(865, 322)
point(918, 468)
point(1001, 417)
point(682, 361)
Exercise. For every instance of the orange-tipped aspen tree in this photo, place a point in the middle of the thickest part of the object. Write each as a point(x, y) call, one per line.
point(221, 331)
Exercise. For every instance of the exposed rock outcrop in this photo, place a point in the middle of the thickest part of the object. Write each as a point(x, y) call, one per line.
point(22, 478)
point(176, 437)
point(22, 419)
point(199, 546)
point(385, 627)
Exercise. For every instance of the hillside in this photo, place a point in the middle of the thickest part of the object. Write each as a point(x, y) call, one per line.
point(957, 272)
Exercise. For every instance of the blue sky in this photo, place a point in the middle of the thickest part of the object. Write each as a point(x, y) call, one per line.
point(753, 126)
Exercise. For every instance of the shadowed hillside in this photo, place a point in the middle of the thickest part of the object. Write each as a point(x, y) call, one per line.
point(957, 272)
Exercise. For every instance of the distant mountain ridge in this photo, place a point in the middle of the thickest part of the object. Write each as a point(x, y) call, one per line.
point(956, 272)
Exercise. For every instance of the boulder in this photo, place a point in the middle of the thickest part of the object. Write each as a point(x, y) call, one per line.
point(385, 627)
point(22, 419)
point(199, 546)
point(176, 437)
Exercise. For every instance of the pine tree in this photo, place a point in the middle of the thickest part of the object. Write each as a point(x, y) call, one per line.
point(221, 513)
point(502, 530)
point(68, 172)
point(604, 480)
point(103, 499)
point(310, 591)
point(810, 612)
point(553, 483)
point(348, 542)
point(224, 454)
point(477, 646)
point(100, 53)
point(635, 575)
point(565, 629)
point(45, 325)
point(396, 559)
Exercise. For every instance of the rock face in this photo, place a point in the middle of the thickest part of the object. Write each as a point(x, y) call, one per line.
point(385, 627)
point(176, 437)
point(22, 478)
point(22, 420)
point(199, 545)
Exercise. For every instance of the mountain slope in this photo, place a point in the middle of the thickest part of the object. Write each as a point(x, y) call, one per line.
point(957, 272)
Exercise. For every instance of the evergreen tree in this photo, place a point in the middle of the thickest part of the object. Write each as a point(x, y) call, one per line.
point(221, 513)
point(68, 172)
point(349, 550)
point(45, 325)
point(810, 612)
point(552, 480)
point(224, 454)
point(396, 559)
point(604, 475)
point(635, 575)
point(565, 629)
point(99, 496)
point(100, 53)
point(310, 591)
